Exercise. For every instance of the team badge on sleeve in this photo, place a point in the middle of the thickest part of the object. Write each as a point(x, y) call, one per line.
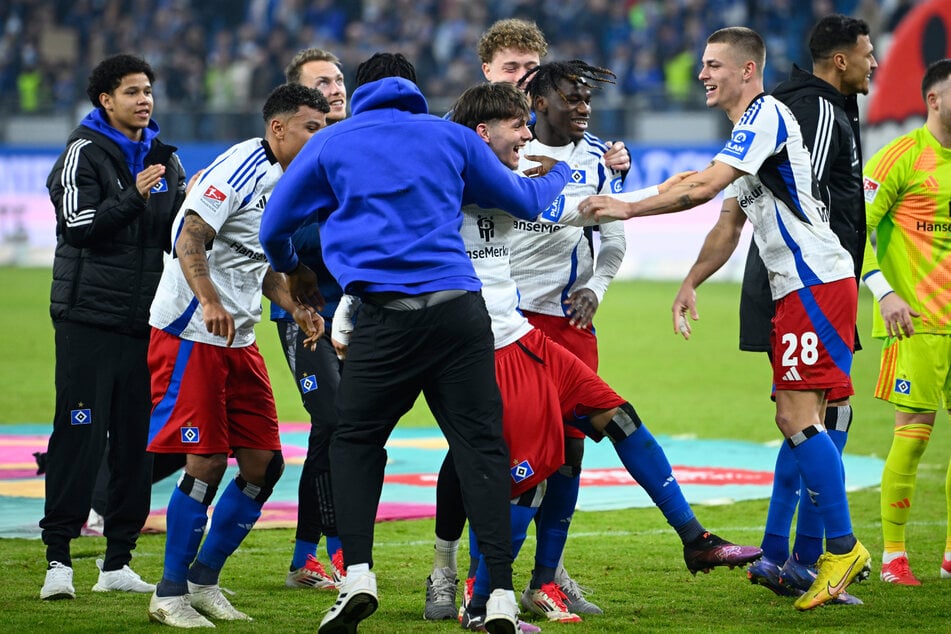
point(308, 384)
point(80, 417)
point(617, 185)
point(521, 471)
point(870, 188)
point(190, 435)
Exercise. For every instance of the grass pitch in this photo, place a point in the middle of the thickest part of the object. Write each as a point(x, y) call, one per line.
point(631, 560)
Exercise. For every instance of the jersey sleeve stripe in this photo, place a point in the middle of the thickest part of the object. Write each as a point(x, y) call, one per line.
point(891, 156)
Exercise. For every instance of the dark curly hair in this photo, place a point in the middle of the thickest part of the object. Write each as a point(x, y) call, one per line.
point(287, 98)
point(108, 74)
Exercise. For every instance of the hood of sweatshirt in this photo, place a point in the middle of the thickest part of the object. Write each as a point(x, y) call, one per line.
point(389, 92)
point(802, 83)
point(133, 151)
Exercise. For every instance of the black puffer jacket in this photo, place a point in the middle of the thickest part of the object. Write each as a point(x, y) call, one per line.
point(110, 242)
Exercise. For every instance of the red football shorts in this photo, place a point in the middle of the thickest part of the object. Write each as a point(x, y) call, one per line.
point(579, 341)
point(543, 385)
point(813, 337)
point(207, 399)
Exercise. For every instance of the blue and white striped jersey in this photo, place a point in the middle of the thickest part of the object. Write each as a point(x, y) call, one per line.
point(551, 260)
point(230, 197)
point(780, 196)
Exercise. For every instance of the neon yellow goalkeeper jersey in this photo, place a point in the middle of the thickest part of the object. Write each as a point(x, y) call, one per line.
point(908, 203)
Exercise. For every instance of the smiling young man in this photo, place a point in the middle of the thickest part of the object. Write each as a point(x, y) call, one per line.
point(316, 371)
point(767, 174)
point(825, 105)
point(210, 389)
point(320, 69)
point(115, 189)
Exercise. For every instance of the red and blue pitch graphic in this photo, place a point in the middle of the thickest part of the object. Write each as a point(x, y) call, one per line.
point(709, 472)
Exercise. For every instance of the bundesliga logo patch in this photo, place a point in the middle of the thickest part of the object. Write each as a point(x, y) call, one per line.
point(903, 386)
point(214, 196)
point(870, 189)
point(521, 471)
point(308, 384)
point(80, 417)
point(190, 435)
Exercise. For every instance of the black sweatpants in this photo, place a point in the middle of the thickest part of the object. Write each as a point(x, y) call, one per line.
point(447, 353)
point(317, 375)
point(102, 388)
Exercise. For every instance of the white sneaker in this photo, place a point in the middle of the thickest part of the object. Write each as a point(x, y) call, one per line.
point(58, 583)
point(357, 600)
point(122, 580)
point(176, 611)
point(210, 601)
point(94, 525)
point(501, 612)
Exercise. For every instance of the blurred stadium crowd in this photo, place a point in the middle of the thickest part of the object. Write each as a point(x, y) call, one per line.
point(222, 57)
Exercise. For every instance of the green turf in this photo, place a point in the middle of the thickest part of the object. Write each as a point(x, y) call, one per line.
point(630, 559)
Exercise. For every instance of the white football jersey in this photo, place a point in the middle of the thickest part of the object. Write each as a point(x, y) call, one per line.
point(230, 197)
point(780, 196)
point(551, 260)
point(487, 234)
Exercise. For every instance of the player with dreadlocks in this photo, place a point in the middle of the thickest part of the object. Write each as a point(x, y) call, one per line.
point(560, 288)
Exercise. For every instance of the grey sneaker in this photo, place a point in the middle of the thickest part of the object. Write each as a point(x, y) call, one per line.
point(176, 611)
point(574, 599)
point(210, 601)
point(122, 580)
point(441, 595)
point(58, 583)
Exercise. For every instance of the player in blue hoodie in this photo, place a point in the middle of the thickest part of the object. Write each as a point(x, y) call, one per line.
point(386, 187)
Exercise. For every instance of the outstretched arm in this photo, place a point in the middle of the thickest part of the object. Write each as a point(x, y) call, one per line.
point(688, 193)
point(717, 248)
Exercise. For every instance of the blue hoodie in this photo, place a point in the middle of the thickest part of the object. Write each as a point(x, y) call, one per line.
point(134, 151)
point(387, 187)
